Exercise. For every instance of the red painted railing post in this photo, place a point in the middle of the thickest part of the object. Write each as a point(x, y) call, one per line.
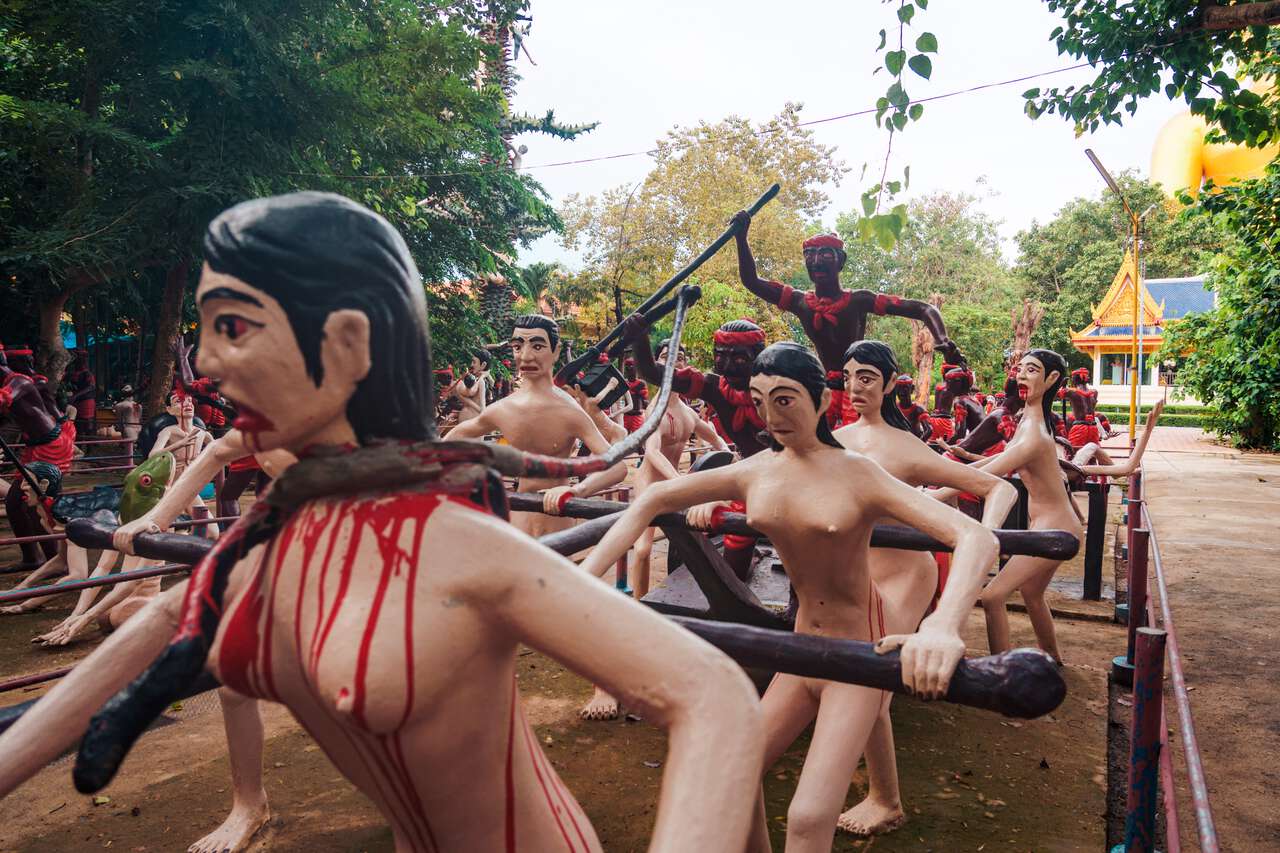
point(1139, 548)
point(1144, 742)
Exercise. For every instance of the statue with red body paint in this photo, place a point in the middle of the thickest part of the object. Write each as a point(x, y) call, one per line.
point(942, 416)
point(1084, 422)
point(634, 416)
point(966, 412)
point(917, 415)
point(726, 390)
point(377, 591)
point(832, 317)
point(84, 393)
point(46, 438)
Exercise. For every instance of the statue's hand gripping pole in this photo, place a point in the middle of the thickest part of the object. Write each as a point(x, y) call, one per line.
point(592, 353)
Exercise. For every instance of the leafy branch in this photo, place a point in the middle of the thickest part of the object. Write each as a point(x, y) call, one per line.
point(894, 110)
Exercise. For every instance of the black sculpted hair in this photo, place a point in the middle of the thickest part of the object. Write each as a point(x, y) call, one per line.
point(880, 356)
point(316, 253)
point(1051, 361)
point(48, 472)
point(666, 344)
point(793, 361)
point(537, 321)
point(483, 355)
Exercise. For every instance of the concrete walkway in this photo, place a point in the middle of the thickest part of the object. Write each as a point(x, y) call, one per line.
point(1174, 440)
point(1217, 521)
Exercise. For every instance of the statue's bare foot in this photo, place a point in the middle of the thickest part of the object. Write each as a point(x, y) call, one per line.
point(236, 831)
point(869, 818)
point(601, 707)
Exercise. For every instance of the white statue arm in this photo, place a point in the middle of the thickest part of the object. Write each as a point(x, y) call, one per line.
point(667, 496)
point(930, 656)
point(59, 719)
point(998, 495)
point(706, 704)
point(706, 432)
point(1127, 467)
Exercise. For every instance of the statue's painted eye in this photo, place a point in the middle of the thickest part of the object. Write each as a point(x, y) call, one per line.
point(144, 480)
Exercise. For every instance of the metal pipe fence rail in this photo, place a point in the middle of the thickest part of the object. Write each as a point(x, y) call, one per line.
point(1151, 769)
point(13, 596)
point(58, 537)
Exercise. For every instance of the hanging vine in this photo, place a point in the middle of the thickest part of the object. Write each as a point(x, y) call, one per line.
point(882, 220)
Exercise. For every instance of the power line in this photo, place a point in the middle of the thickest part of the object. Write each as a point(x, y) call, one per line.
point(863, 112)
point(649, 151)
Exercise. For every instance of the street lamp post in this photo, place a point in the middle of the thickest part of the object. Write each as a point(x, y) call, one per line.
point(1135, 375)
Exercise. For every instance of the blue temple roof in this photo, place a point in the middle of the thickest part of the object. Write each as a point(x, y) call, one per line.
point(1122, 331)
point(1181, 296)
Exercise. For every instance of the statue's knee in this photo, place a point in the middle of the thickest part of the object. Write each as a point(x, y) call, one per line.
point(808, 818)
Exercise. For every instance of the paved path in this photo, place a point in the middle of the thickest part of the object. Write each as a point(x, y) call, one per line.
point(1174, 439)
point(1217, 520)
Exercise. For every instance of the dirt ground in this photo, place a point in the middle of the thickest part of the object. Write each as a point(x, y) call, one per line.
point(971, 780)
point(1217, 521)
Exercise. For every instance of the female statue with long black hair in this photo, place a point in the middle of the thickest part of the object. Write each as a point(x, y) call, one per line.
point(1033, 454)
point(818, 503)
point(354, 594)
point(906, 578)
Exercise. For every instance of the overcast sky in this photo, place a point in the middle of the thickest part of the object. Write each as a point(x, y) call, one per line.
point(641, 69)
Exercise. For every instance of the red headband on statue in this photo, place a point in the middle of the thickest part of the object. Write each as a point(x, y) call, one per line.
point(738, 339)
point(823, 241)
point(1081, 371)
point(904, 381)
point(630, 362)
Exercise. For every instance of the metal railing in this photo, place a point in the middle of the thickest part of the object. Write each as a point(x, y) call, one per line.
point(1151, 771)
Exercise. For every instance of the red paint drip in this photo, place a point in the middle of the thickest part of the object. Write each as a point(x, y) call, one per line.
point(534, 752)
point(314, 655)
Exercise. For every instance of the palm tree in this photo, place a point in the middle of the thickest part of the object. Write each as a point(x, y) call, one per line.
point(537, 283)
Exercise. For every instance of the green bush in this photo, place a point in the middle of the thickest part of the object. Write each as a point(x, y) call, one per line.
point(1166, 419)
point(1170, 409)
point(1233, 352)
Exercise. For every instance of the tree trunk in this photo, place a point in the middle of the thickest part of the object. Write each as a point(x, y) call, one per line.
point(1025, 320)
point(496, 300)
point(922, 356)
point(54, 358)
point(167, 328)
point(1239, 16)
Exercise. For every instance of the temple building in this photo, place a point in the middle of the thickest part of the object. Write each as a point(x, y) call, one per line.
point(1108, 339)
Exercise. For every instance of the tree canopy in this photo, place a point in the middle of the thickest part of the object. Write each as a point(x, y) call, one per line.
point(951, 248)
point(1233, 352)
point(128, 125)
point(1068, 263)
point(1185, 48)
point(634, 238)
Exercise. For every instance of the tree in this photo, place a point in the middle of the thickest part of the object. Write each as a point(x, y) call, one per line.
point(719, 304)
point(538, 283)
point(1191, 43)
point(633, 238)
point(1067, 264)
point(457, 324)
point(1233, 352)
point(128, 125)
point(950, 249)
